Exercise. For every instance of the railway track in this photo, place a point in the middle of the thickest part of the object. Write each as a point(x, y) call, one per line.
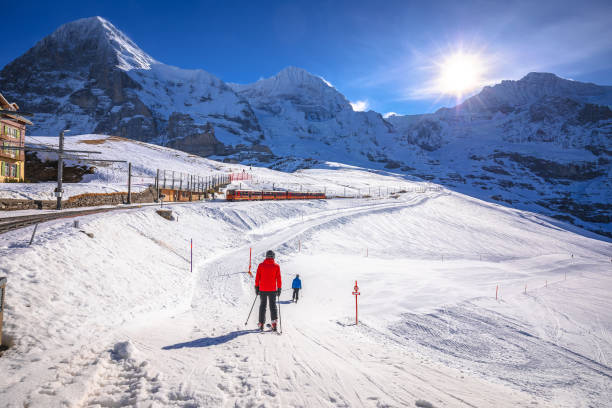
point(13, 223)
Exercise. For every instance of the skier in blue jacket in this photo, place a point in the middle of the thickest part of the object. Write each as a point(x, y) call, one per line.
point(296, 285)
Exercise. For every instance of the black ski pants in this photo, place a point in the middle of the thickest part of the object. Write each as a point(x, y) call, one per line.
point(265, 296)
point(296, 294)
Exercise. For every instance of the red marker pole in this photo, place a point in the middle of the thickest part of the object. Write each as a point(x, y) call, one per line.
point(250, 252)
point(191, 269)
point(356, 293)
point(496, 289)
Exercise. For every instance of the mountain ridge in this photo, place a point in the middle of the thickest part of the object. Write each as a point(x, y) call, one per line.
point(541, 143)
point(534, 85)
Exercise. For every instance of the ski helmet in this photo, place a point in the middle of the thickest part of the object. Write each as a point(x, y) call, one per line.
point(270, 254)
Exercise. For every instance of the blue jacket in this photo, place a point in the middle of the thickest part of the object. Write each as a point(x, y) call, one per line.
point(297, 284)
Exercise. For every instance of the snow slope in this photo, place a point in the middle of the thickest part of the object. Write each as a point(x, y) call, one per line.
point(119, 320)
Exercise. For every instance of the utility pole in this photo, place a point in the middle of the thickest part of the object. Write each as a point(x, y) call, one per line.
point(60, 169)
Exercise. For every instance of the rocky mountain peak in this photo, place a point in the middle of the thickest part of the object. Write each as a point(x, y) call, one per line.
point(541, 77)
point(534, 86)
point(295, 75)
point(296, 85)
point(95, 34)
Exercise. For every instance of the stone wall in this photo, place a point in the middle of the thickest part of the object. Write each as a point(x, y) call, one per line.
point(81, 200)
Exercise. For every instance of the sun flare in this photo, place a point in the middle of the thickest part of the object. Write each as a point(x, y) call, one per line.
point(459, 73)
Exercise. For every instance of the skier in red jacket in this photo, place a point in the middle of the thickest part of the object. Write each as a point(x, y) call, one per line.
point(268, 286)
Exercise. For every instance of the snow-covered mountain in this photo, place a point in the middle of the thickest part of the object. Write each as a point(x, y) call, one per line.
point(533, 87)
point(302, 115)
point(541, 143)
point(88, 76)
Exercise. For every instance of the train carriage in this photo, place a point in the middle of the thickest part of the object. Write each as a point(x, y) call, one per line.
point(261, 195)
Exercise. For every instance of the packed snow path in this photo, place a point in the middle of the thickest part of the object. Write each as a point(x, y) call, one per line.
point(149, 333)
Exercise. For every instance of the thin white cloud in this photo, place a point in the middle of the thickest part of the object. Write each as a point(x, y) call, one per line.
point(360, 106)
point(389, 114)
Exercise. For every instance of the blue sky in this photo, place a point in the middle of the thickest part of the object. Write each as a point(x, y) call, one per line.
point(386, 55)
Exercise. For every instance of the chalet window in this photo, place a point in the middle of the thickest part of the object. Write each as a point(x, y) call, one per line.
point(10, 131)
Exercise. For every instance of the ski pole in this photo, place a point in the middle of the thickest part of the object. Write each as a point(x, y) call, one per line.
point(280, 319)
point(253, 305)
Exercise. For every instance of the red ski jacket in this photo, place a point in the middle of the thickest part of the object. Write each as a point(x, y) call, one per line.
point(268, 278)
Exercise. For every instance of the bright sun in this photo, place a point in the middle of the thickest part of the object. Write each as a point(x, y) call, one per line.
point(459, 73)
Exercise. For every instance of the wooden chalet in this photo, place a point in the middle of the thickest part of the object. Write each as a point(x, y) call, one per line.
point(12, 134)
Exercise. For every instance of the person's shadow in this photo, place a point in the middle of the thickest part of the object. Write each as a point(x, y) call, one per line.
point(210, 341)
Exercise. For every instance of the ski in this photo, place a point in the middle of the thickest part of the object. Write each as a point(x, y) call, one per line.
point(269, 326)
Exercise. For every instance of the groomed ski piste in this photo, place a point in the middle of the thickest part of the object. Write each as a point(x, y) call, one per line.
point(116, 319)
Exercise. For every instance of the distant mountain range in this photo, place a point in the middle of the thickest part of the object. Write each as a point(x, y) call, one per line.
point(541, 143)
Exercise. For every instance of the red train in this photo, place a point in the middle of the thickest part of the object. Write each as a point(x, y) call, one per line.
point(255, 195)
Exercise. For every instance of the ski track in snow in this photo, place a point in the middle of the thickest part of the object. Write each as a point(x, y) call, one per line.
point(193, 349)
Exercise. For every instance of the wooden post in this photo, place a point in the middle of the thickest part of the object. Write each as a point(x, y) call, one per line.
point(2, 296)
point(157, 185)
point(33, 233)
point(129, 197)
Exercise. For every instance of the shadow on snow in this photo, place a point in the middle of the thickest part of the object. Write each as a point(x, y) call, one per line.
point(210, 341)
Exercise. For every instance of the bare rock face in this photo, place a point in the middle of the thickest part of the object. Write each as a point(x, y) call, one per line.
point(202, 143)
